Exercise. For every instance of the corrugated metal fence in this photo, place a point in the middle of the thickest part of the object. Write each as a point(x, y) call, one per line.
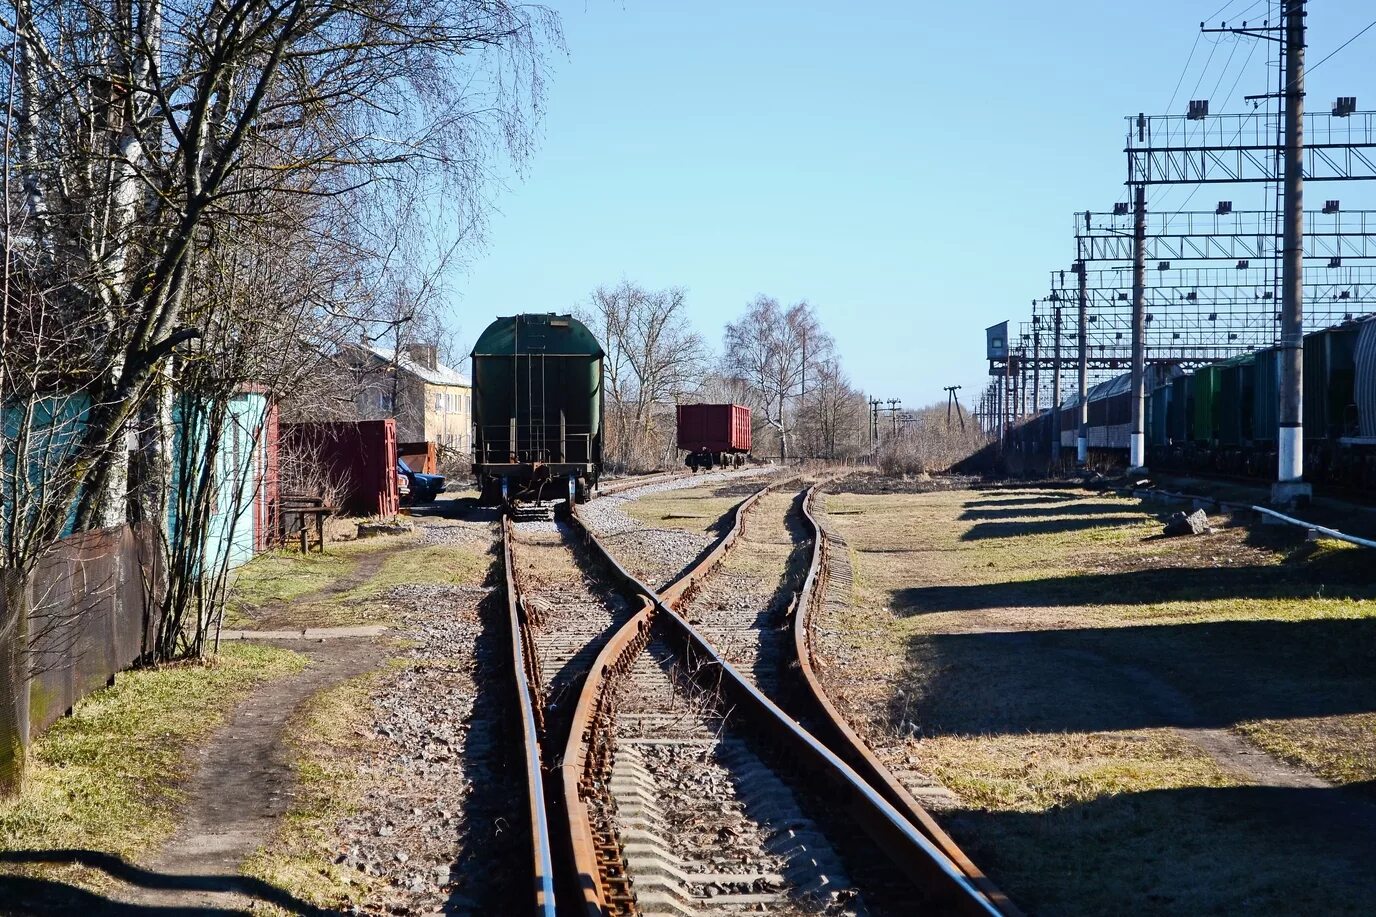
point(88, 619)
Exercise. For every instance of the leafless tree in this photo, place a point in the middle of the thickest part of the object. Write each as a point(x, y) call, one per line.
point(147, 141)
point(832, 418)
point(652, 358)
point(776, 353)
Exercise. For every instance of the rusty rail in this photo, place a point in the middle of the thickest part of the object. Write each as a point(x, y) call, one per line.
point(946, 887)
point(525, 672)
point(848, 745)
point(586, 772)
point(634, 481)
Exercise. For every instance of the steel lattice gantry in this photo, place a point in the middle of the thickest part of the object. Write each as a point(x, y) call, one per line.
point(1231, 148)
point(1234, 236)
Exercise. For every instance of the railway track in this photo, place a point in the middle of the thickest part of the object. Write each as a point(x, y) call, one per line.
point(670, 779)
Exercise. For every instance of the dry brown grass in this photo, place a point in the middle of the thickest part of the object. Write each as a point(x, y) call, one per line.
point(1044, 654)
point(693, 509)
point(929, 444)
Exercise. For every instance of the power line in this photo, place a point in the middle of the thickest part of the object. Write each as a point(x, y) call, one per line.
point(1184, 70)
point(1368, 28)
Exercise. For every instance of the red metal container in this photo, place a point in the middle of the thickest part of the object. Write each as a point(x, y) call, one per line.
point(714, 428)
point(361, 457)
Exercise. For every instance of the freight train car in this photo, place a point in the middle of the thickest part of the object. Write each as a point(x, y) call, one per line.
point(537, 408)
point(714, 434)
point(1222, 418)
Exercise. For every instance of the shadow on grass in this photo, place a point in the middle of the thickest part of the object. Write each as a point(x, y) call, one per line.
point(1211, 675)
point(1033, 511)
point(981, 531)
point(1032, 499)
point(1197, 850)
point(1333, 577)
point(30, 895)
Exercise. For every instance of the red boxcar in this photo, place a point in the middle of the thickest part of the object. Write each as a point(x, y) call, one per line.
point(713, 433)
point(360, 457)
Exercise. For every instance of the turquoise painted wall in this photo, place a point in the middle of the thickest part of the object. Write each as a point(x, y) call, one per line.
point(238, 463)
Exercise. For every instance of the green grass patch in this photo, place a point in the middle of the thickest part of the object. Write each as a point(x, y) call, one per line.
point(106, 777)
point(281, 576)
point(1040, 642)
point(1034, 773)
point(1341, 748)
point(437, 564)
point(344, 587)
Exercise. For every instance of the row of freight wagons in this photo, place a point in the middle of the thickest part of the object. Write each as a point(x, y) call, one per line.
point(1236, 401)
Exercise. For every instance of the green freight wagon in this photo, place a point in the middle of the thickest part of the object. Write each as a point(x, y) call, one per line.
point(537, 408)
point(1266, 395)
point(1236, 381)
point(1205, 407)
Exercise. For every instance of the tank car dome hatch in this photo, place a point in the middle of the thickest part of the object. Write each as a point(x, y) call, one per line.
point(538, 332)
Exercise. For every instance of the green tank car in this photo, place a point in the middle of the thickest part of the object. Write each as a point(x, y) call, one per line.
point(537, 408)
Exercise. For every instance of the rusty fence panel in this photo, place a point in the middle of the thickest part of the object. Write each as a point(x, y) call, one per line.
point(88, 620)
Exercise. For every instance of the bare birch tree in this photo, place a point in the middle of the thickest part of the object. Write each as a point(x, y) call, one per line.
point(145, 138)
point(776, 353)
point(653, 358)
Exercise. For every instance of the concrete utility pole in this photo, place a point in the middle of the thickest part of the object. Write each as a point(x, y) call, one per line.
point(1036, 367)
point(1010, 383)
point(1056, 382)
point(1137, 440)
point(999, 383)
point(1082, 437)
point(1289, 486)
point(1022, 385)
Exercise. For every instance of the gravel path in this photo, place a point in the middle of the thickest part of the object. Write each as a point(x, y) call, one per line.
point(438, 819)
point(574, 611)
point(741, 607)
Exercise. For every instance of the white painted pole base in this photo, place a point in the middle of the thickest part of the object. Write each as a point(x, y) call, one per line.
point(1137, 453)
point(1290, 489)
point(1081, 450)
point(1291, 443)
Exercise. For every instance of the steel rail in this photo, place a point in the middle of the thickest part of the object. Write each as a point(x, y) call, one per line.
point(602, 881)
point(542, 862)
point(1146, 493)
point(844, 740)
point(946, 887)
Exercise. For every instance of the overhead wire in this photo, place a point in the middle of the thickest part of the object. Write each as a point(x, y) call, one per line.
point(1369, 26)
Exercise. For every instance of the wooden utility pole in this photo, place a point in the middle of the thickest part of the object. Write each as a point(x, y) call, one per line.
point(952, 398)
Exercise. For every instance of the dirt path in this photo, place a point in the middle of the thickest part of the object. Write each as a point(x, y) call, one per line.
point(242, 784)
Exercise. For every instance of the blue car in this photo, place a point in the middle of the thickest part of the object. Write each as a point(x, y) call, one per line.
point(424, 487)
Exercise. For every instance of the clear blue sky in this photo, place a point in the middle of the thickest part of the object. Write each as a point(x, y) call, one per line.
point(909, 168)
